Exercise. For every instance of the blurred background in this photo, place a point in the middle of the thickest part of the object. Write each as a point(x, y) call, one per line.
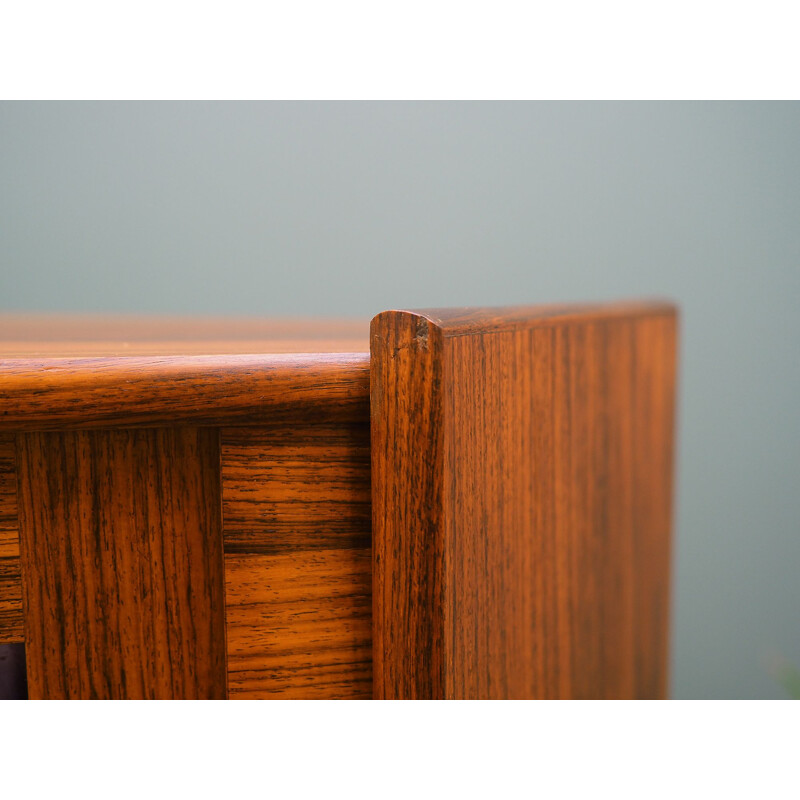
point(347, 209)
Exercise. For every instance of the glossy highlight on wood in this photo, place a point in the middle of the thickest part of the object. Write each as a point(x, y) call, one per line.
point(522, 468)
point(49, 336)
point(198, 390)
point(122, 564)
point(64, 372)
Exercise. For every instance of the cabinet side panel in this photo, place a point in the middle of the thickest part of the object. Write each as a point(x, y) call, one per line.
point(122, 564)
point(550, 537)
point(558, 477)
point(10, 577)
point(298, 578)
point(653, 404)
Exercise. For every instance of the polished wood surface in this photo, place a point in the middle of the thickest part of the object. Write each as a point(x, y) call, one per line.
point(198, 390)
point(469, 320)
point(47, 336)
point(11, 629)
point(522, 464)
point(296, 522)
point(195, 500)
point(121, 551)
point(97, 372)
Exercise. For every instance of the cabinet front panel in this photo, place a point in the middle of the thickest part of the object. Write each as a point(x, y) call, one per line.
point(10, 579)
point(121, 555)
point(296, 531)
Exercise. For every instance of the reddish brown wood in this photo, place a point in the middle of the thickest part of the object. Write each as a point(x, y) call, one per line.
point(64, 372)
point(521, 478)
point(11, 629)
point(296, 511)
point(121, 551)
point(86, 335)
point(522, 464)
point(58, 394)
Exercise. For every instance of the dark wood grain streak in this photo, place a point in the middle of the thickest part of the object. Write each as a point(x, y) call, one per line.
point(128, 391)
point(121, 547)
point(11, 628)
point(521, 502)
point(296, 520)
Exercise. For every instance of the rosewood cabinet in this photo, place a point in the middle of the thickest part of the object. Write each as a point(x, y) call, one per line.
point(464, 503)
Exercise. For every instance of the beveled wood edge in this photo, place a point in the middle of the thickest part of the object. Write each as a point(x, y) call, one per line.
point(405, 385)
point(84, 393)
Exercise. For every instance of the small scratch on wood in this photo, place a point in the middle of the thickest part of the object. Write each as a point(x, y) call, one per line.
point(421, 336)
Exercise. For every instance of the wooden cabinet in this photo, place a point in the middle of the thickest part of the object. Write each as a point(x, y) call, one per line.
point(469, 503)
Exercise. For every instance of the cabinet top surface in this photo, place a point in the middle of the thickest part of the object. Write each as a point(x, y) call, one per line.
point(46, 336)
point(60, 371)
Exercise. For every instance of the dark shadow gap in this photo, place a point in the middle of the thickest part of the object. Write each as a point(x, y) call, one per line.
point(13, 677)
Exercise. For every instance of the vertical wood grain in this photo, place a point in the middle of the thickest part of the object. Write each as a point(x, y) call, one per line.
point(122, 563)
point(296, 516)
point(408, 547)
point(11, 629)
point(521, 500)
